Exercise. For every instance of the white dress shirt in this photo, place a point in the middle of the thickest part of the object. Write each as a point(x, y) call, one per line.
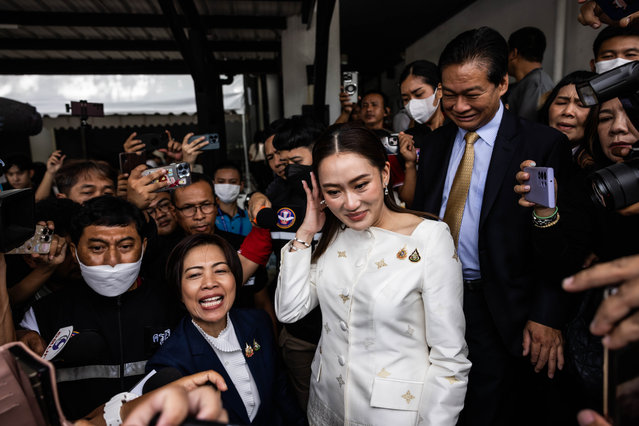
point(228, 350)
point(392, 350)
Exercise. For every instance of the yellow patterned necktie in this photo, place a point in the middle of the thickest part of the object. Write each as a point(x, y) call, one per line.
point(459, 190)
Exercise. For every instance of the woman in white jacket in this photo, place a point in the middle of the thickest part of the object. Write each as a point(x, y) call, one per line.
point(389, 285)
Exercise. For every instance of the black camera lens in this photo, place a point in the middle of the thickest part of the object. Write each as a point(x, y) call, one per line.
point(616, 186)
point(350, 88)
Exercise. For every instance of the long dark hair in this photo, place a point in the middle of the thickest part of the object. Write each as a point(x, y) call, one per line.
point(572, 78)
point(355, 138)
point(592, 141)
point(426, 70)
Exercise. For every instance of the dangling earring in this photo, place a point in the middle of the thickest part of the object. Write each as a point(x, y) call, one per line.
point(385, 190)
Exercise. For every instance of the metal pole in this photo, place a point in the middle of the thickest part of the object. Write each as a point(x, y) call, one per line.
point(560, 40)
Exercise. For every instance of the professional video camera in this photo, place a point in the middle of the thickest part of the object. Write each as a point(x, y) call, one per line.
point(617, 186)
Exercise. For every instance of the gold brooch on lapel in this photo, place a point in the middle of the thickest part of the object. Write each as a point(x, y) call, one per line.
point(248, 351)
point(256, 346)
point(414, 256)
point(402, 253)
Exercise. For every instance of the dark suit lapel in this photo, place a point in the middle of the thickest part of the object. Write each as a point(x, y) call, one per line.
point(438, 156)
point(205, 359)
point(503, 151)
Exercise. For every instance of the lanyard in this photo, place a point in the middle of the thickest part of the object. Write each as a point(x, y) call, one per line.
point(226, 228)
point(221, 215)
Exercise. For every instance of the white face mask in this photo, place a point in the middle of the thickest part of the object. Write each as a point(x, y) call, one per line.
point(421, 110)
point(110, 281)
point(603, 66)
point(227, 192)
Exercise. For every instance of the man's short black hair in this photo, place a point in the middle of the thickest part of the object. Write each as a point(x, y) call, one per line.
point(72, 170)
point(484, 45)
point(22, 162)
point(273, 127)
point(298, 131)
point(227, 165)
point(380, 93)
point(612, 32)
point(195, 178)
point(530, 43)
point(107, 210)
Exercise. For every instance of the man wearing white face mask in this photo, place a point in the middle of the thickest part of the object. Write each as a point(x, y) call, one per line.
point(118, 318)
point(228, 185)
point(614, 47)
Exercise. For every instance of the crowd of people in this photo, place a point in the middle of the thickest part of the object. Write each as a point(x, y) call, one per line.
point(365, 283)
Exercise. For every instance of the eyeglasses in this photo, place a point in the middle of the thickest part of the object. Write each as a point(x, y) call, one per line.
point(161, 208)
point(205, 208)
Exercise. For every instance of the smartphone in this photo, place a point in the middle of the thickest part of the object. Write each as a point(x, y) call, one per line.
point(39, 243)
point(616, 9)
point(153, 141)
point(391, 143)
point(178, 174)
point(130, 160)
point(542, 186)
point(621, 382)
point(349, 82)
point(213, 139)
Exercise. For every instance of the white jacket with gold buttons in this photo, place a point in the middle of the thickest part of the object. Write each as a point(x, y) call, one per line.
point(392, 350)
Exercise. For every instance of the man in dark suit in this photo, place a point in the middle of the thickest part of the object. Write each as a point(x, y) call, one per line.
point(466, 175)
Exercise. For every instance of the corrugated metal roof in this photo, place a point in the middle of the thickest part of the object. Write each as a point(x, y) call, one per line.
point(42, 30)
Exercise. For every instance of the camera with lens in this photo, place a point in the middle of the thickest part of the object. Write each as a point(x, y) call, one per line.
point(617, 186)
point(349, 81)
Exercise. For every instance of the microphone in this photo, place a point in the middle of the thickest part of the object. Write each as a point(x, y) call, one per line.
point(266, 218)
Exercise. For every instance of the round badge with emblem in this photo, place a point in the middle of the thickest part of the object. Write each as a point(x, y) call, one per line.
point(285, 218)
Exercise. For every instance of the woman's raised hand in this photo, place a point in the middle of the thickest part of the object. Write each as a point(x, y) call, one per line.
point(315, 216)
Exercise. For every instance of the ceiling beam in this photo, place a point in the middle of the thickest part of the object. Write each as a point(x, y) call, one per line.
point(132, 45)
point(135, 20)
point(111, 66)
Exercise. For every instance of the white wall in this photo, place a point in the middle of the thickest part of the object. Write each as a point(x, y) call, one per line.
point(507, 16)
point(298, 51)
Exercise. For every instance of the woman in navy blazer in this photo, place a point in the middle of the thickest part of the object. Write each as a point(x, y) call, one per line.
point(204, 269)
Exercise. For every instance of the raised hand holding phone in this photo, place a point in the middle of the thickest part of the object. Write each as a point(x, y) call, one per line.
point(523, 188)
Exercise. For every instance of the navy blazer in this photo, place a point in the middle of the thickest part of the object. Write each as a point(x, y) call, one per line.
point(189, 352)
point(515, 290)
